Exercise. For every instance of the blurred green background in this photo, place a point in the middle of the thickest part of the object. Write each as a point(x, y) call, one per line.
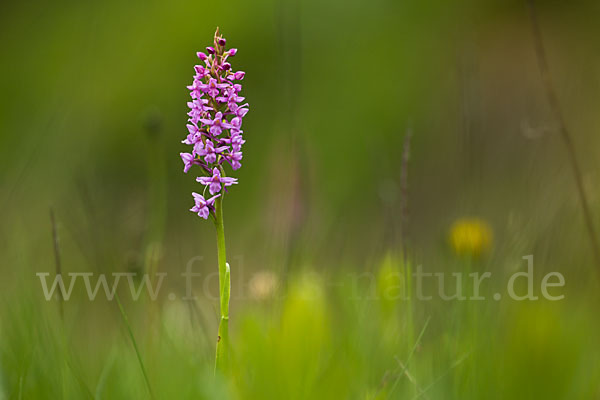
point(91, 118)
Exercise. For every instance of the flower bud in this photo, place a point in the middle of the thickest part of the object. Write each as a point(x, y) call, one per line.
point(210, 50)
point(222, 41)
point(232, 52)
point(201, 56)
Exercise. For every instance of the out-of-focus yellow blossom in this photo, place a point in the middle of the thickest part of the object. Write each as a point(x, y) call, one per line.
point(391, 286)
point(263, 285)
point(471, 237)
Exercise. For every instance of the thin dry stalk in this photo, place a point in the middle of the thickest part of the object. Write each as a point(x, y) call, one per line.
point(564, 131)
point(404, 211)
point(57, 259)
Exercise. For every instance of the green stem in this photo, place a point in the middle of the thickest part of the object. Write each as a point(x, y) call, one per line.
point(224, 290)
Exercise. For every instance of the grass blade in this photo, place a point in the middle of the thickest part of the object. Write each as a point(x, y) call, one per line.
point(135, 346)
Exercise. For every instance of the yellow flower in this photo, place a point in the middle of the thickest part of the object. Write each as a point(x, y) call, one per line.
point(471, 237)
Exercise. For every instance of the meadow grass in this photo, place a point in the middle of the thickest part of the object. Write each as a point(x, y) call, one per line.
point(349, 340)
point(315, 329)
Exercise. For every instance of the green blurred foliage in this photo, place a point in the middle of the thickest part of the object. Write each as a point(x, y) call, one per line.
point(91, 118)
